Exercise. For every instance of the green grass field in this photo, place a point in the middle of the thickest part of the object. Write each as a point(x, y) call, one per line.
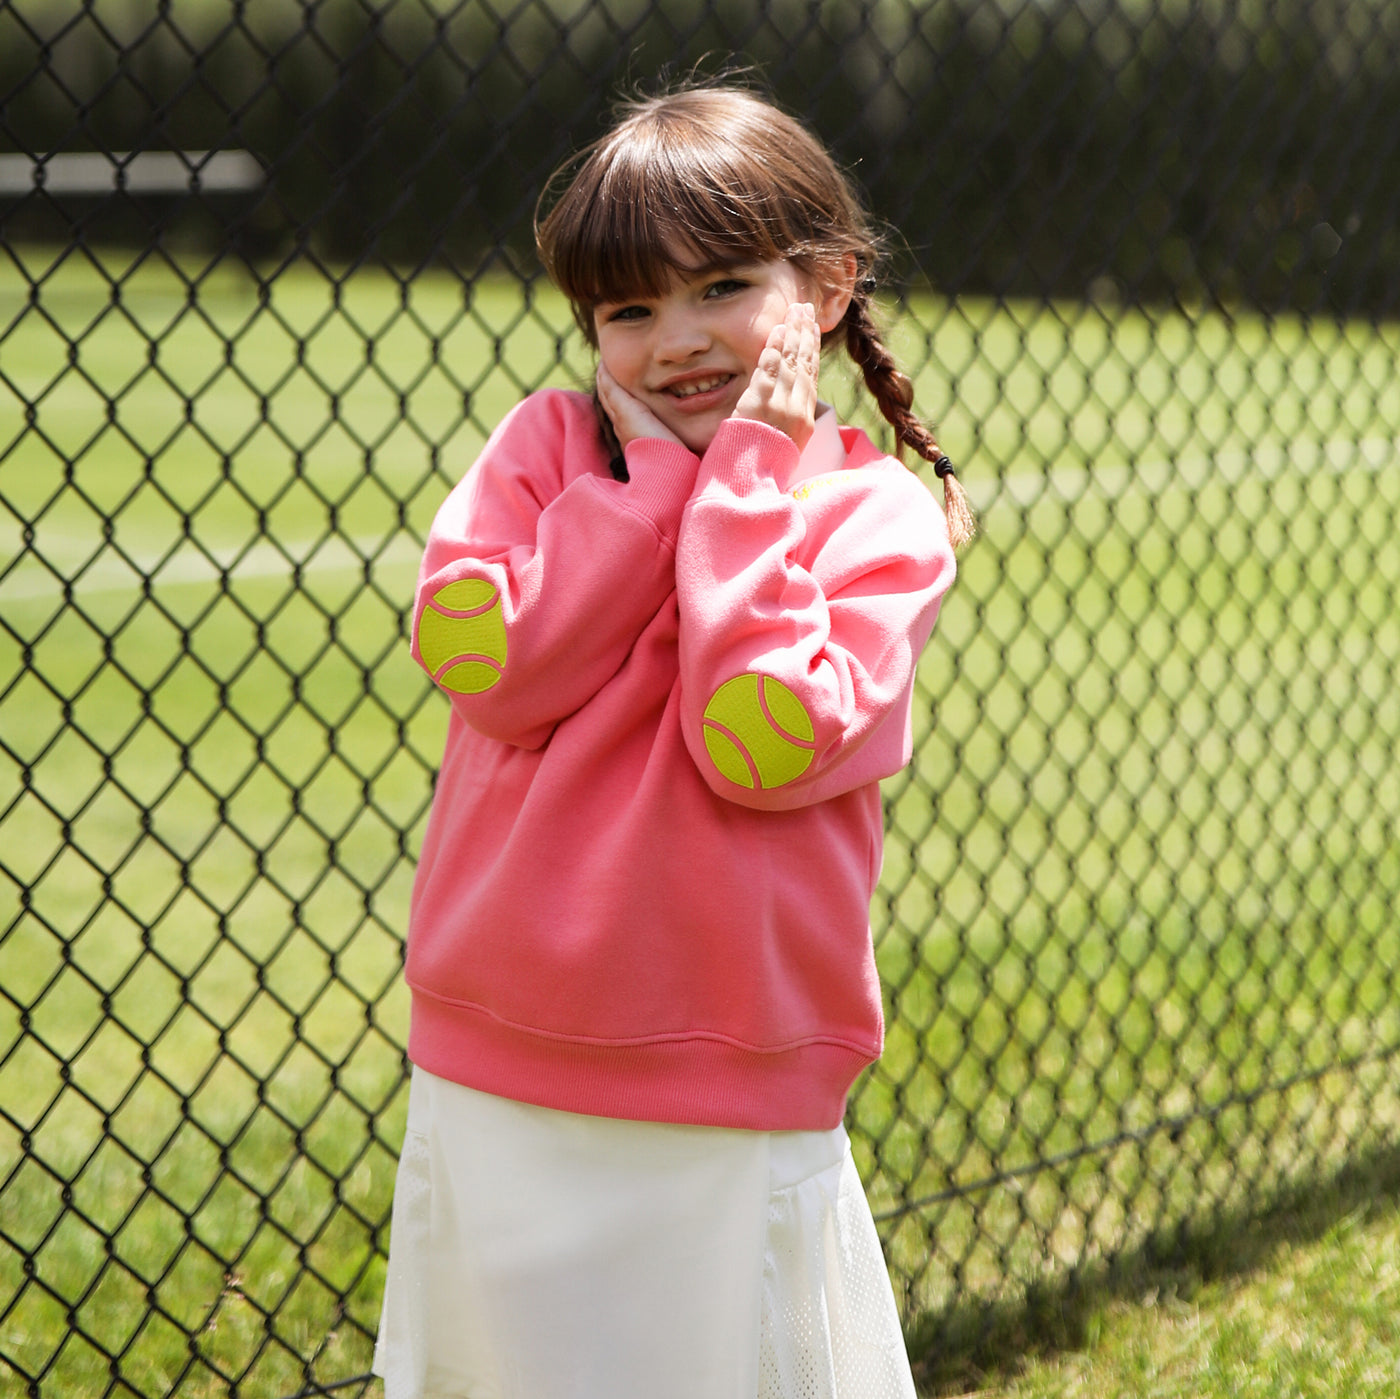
point(1137, 914)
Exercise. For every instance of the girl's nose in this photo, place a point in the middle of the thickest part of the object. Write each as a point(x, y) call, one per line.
point(679, 336)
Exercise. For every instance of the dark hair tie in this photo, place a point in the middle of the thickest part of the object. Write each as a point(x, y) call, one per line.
point(867, 284)
point(942, 467)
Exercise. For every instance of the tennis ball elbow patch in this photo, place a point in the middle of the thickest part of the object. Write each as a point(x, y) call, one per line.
point(462, 636)
point(757, 732)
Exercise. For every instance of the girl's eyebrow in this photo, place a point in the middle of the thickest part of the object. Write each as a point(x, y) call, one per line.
point(621, 298)
point(714, 267)
point(691, 272)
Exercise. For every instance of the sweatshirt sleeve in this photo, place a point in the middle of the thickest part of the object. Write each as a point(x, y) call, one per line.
point(801, 623)
point(541, 571)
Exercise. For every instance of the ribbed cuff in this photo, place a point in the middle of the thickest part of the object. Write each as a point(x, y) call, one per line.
point(661, 477)
point(746, 453)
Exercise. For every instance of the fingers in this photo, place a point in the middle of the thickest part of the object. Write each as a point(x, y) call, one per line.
point(794, 345)
point(783, 390)
point(608, 393)
point(805, 357)
point(608, 390)
point(630, 417)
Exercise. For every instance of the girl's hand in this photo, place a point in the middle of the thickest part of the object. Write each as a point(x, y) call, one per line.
point(631, 418)
point(783, 389)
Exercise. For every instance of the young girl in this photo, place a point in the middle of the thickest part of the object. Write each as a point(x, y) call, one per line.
point(678, 625)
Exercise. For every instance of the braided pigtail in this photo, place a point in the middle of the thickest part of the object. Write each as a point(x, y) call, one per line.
point(895, 395)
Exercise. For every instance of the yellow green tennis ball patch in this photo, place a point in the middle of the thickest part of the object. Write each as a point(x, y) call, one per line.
point(757, 733)
point(462, 636)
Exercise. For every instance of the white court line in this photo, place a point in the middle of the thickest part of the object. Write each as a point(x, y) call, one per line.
point(190, 566)
point(1021, 489)
point(1017, 490)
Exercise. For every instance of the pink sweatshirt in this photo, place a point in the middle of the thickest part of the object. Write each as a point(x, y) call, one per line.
point(644, 889)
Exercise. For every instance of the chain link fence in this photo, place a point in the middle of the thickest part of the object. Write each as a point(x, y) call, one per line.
point(265, 286)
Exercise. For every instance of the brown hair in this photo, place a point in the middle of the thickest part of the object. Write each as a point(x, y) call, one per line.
point(720, 172)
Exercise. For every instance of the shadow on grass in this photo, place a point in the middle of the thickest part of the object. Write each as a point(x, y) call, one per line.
point(353, 1388)
point(975, 1345)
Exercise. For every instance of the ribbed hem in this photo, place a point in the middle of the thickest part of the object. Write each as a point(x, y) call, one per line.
point(701, 1081)
point(661, 476)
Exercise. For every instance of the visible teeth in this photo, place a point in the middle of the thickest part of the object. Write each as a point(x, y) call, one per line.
point(699, 386)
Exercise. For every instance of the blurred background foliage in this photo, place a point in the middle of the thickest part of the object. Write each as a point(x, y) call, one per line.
point(1190, 151)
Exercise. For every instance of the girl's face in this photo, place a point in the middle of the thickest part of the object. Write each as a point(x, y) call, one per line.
point(688, 354)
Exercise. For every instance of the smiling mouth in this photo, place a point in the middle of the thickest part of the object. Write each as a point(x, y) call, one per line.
point(698, 386)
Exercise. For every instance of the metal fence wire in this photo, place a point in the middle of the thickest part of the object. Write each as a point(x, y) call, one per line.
point(265, 286)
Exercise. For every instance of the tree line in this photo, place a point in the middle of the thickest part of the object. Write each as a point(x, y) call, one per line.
point(1225, 152)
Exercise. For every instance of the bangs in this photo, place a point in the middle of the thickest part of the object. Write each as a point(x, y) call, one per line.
point(647, 219)
point(702, 179)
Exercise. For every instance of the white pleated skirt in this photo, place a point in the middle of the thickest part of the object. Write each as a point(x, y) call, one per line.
point(538, 1254)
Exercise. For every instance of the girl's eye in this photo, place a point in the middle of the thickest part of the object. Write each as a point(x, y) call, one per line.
point(726, 286)
point(626, 313)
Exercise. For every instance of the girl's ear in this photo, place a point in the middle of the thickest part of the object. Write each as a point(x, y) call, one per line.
point(836, 296)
